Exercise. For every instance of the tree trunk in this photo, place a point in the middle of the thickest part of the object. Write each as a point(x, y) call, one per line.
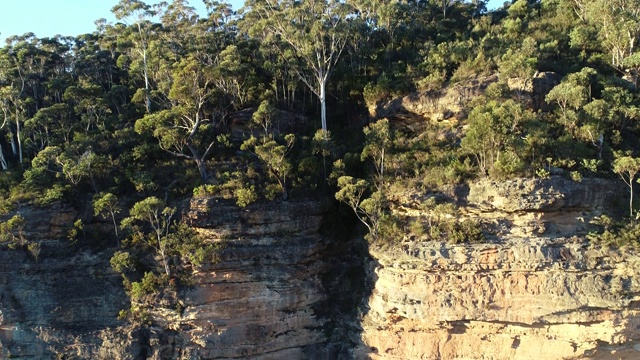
point(202, 168)
point(165, 261)
point(323, 105)
point(631, 198)
point(3, 161)
point(147, 98)
point(18, 139)
point(115, 227)
point(200, 161)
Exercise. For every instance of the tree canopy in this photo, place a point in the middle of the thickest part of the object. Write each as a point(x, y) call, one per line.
point(167, 102)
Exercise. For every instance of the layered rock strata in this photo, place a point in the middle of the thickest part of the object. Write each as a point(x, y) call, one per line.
point(536, 290)
point(260, 300)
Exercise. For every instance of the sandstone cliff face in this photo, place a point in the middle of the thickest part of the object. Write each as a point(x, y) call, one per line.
point(66, 302)
point(535, 290)
point(260, 300)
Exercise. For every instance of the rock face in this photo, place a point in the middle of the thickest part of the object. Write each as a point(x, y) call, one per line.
point(263, 299)
point(66, 302)
point(536, 289)
point(442, 106)
point(258, 301)
point(531, 292)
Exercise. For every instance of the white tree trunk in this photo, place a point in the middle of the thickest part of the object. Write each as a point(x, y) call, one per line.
point(3, 161)
point(18, 139)
point(147, 99)
point(323, 104)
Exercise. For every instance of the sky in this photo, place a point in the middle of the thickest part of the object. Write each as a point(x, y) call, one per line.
point(46, 18)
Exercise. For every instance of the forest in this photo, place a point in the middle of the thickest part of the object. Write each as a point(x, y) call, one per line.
point(277, 101)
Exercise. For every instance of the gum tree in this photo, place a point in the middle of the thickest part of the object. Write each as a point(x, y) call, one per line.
point(314, 31)
point(137, 14)
point(627, 167)
point(154, 213)
point(106, 205)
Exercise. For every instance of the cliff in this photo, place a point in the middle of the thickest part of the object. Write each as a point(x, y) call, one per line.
point(535, 290)
point(262, 299)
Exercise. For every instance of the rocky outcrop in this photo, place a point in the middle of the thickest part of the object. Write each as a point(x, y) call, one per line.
point(262, 299)
point(259, 300)
point(65, 302)
point(531, 292)
point(445, 105)
point(536, 289)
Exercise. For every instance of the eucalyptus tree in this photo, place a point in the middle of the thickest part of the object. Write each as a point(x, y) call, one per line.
point(177, 22)
point(12, 104)
point(180, 127)
point(520, 64)
point(314, 31)
point(136, 13)
point(88, 104)
point(159, 217)
point(618, 24)
point(106, 205)
point(203, 77)
point(627, 167)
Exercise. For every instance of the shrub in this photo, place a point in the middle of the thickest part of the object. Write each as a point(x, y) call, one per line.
point(149, 284)
point(121, 261)
point(34, 249)
point(576, 176)
point(417, 228)
point(246, 195)
point(205, 190)
point(615, 233)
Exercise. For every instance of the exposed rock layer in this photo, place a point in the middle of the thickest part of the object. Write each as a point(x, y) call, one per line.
point(533, 292)
point(259, 300)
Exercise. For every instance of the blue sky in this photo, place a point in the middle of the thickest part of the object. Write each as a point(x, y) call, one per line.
point(47, 18)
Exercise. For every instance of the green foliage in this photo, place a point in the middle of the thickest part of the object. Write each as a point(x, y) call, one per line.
point(148, 285)
point(388, 86)
point(494, 137)
point(12, 231)
point(246, 196)
point(614, 232)
point(444, 223)
point(106, 205)
point(177, 249)
point(264, 116)
point(576, 176)
point(121, 262)
point(377, 142)
point(205, 190)
point(371, 211)
point(34, 249)
point(274, 156)
point(520, 64)
point(74, 233)
point(627, 167)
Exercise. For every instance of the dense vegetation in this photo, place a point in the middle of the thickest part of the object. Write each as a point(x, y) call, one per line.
point(278, 101)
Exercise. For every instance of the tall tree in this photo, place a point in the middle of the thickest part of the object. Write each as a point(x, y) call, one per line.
point(316, 31)
point(179, 129)
point(627, 167)
point(155, 214)
point(137, 14)
point(618, 24)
